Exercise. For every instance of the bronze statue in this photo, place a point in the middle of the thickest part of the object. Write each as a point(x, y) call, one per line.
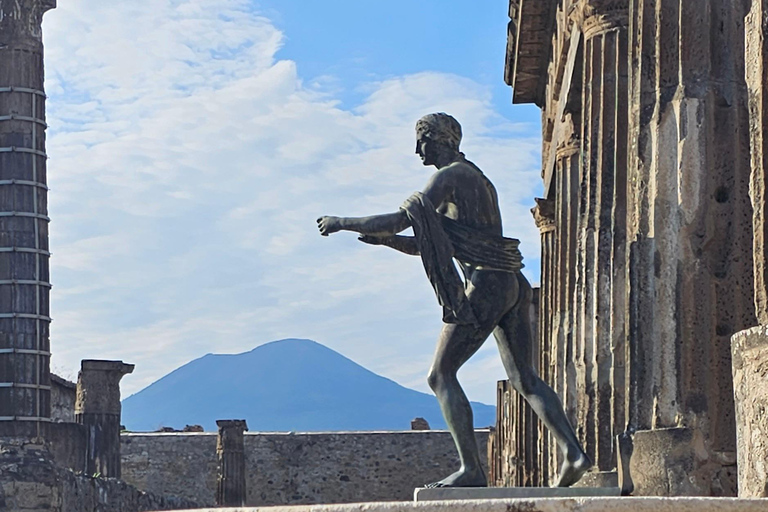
point(457, 217)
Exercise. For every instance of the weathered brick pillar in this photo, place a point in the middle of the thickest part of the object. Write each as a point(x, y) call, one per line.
point(24, 281)
point(98, 408)
point(230, 486)
point(604, 118)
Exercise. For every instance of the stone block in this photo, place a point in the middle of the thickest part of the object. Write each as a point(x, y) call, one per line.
point(678, 462)
point(750, 388)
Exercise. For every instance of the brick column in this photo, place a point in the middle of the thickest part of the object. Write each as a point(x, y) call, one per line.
point(24, 286)
point(230, 486)
point(98, 408)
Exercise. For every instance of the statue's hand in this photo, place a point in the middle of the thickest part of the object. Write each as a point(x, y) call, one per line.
point(327, 225)
point(373, 240)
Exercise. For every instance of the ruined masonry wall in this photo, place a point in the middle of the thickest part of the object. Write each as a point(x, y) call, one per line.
point(293, 469)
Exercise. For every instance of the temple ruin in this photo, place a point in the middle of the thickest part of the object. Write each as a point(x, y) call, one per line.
point(646, 232)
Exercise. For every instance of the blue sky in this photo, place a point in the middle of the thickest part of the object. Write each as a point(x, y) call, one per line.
point(193, 143)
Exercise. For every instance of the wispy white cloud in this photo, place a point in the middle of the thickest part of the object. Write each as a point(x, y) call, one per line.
point(188, 164)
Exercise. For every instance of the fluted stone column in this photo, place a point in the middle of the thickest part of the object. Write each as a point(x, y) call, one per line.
point(545, 349)
point(750, 347)
point(689, 230)
point(566, 212)
point(98, 408)
point(604, 103)
point(230, 450)
point(756, 47)
point(24, 281)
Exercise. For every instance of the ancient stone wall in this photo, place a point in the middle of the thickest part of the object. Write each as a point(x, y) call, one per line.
point(295, 468)
point(63, 393)
point(30, 481)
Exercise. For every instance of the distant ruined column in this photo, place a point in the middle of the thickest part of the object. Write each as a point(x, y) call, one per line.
point(98, 408)
point(230, 486)
point(24, 282)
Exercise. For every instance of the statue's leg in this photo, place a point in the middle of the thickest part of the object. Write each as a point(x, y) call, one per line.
point(513, 336)
point(490, 297)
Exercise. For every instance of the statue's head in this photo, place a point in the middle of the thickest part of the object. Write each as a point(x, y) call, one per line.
point(437, 137)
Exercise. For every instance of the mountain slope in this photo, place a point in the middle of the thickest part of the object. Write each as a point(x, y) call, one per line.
point(287, 385)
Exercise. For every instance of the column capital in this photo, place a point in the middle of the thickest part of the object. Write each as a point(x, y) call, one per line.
point(544, 214)
point(21, 21)
point(232, 424)
point(98, 386)
point(595, 17)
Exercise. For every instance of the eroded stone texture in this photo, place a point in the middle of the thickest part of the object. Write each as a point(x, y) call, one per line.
point(689, 226)
point(679, 462)
point(31, 482)
point(288, 468)
point(756, 55)
point(750, 380)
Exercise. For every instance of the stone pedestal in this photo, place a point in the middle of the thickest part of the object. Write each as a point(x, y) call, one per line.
point(750, 387)
point(98, 408)
point(230, 486)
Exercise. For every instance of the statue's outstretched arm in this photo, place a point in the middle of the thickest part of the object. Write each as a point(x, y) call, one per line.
point(387, 224)
point(404, 244)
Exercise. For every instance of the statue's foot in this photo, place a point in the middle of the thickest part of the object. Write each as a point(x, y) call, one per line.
point(573, 470)
point(462, 478)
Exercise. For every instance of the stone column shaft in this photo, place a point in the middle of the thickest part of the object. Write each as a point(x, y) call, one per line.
point(24, 287)
point(756, 48)
point(604, 158)
point(687, 234)
point(544, 215)
point(230, 450)
point(568, 163)
point(98, 408)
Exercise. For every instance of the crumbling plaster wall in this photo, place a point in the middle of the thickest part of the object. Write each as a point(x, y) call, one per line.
point(295, 468)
